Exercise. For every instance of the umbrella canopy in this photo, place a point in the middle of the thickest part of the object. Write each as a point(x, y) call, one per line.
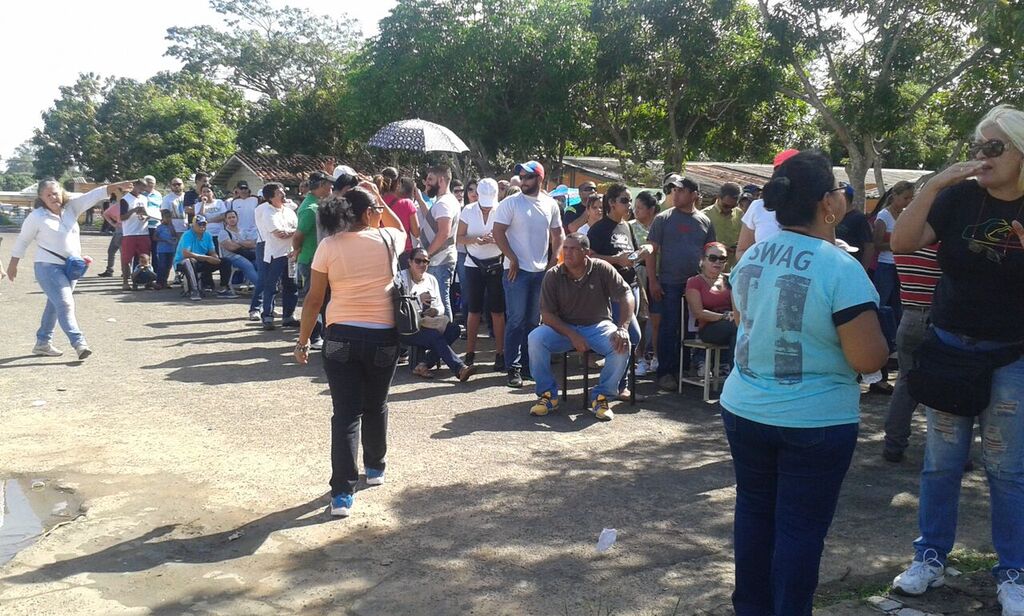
point(418, 136)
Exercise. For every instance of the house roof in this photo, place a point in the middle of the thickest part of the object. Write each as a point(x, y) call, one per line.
point(288, 170)
point(711, 175)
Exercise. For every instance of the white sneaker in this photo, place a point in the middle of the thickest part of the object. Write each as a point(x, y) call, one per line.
point(47, 349)
point(83, 351)
point(922, 575)
point(641, 368)
point(1011, 595)
point(254, 315)
point(652, 366)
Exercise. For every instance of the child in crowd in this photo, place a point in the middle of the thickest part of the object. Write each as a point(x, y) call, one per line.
point(166, 244)
point(143, 275)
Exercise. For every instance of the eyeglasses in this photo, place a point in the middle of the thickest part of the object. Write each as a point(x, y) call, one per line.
point(716, 258)
point(993, 148)
point(377, 208)
point(176, 184)
point(421, 261)
point(587, 189)
point(529, 176)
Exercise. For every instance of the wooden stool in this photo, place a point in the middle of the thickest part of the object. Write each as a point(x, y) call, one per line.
point(586, 378)
point(712, 367)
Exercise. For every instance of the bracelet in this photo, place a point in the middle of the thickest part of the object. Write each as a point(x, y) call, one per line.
point(302, 348)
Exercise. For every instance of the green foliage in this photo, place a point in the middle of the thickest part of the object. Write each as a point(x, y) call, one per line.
point(15, 181)
point(69, 127)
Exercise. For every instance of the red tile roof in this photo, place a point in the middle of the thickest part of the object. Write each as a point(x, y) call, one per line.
point(288, 170)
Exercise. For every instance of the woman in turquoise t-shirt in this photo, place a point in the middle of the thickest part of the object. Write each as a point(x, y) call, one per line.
point(808, 324)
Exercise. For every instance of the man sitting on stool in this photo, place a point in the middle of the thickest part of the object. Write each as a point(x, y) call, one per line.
point(576, 314)
point(196, 258)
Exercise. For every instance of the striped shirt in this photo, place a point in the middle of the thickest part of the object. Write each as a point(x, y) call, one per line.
point(919, 272)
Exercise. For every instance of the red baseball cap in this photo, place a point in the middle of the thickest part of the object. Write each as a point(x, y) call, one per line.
point(531, 166)
point(783, 156)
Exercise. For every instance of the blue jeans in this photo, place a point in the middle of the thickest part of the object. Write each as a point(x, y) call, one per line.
point(947, 447)
point(60, 305)
point(257, 293)
point(888, 285)
point(670, 333)
point(787, 487)
point(634, 331)
point(305, 274)
point(444, 274)
point(162, 262)
point(437, 346)
point(544, 341)
point(245, 266)
point(522, 315)
point(276, 270)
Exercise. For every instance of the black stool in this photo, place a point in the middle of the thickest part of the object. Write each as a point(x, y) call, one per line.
point(586, 377)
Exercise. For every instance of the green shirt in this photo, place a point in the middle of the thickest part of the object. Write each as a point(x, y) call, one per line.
point(727, 228)
point(307, 227)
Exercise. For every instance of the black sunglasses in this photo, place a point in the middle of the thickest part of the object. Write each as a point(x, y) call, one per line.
point(421, 261)
point(716, 258)
point(993, 148)
point(529, 176)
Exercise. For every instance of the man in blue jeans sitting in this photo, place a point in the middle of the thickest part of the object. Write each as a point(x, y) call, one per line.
point(577, 315)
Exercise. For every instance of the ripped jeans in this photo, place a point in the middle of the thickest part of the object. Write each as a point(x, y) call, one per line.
point(947, 447)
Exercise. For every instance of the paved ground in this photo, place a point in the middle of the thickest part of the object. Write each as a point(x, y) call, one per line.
point(201, 451)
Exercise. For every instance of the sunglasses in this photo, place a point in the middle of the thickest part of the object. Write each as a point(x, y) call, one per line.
point(421, 261)
point(624, 199)
point(716, 258)
point(993, 148)
point(529, 176)
point(377, 208)
point(587, 189)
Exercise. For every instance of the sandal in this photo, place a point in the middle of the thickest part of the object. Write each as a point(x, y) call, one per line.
point(423, 370)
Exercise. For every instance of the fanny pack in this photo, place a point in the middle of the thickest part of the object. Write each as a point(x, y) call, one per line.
point(488, 267)
point(954, 380)
point(74, 267)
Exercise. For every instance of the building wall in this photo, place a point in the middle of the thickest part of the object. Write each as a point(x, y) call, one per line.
point(243, 173)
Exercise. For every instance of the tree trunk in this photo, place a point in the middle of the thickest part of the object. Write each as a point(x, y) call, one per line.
point(857, 170)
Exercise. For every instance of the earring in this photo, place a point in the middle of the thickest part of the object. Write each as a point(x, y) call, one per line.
point(830, 219)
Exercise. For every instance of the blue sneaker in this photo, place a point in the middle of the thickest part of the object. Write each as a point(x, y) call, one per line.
point(341, 505)
point(374, 477)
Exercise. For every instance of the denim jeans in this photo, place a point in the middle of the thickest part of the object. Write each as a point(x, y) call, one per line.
point(276, 270)
point(634, 331)
point(162, 262)
point(671, 330)
point(888, 284)
point(444, 274)
point(304, 273)
point(257, 293)
point(359, 363)
point(544, 341)
point(522, 315)
point(947, 447)
point(437, 345)
point(60, 305)
point(910, 334)
point(113, 248)
point(245, 266)
point(787, 487)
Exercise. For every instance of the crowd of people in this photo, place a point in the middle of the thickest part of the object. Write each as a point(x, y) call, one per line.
point(809, 296)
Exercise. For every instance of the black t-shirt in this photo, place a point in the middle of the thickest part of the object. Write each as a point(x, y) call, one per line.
point(855, 230)
point(609, 238)
point(191, 197)
point(981, 291)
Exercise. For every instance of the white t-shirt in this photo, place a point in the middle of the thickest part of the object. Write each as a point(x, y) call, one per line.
point(175, 205)
point(428, 284)
point(270, 219)
point(529, 221)
point(241, 235)
point(246, 209)
point(585, 229)
point(135, 226)
point(761, 221)
point(446, 206)
point(476, 227)
point(212, 210)
point(886, 217)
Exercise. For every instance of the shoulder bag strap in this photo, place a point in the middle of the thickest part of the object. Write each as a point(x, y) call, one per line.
point(391, 252)
point(58, 255)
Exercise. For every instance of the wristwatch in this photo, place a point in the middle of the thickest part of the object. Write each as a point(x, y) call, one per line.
point(303, 348)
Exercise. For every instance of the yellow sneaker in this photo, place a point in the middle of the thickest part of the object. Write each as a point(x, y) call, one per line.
point(545, 404)
point(600, 409)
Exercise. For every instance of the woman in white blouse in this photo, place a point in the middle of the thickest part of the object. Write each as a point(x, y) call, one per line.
point(53, 225)
point(483, 271)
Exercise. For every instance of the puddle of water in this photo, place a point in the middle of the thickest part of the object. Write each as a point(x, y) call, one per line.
point(28, 508)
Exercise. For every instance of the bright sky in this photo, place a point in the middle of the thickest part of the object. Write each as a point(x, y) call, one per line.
point(47, 44)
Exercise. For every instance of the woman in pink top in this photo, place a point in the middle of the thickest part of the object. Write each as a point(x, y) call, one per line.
point(710, 301)
point(405, 209)
point(361, 343)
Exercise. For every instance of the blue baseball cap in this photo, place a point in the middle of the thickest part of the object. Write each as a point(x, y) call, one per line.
point(530, 166)
point(199, 219)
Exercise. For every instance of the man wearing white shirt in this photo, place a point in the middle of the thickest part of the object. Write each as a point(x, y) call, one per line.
point(277, 224)
point(245, 205)
point(136, 211)
point(525, 225)
point(174, 203)
point(438, 227)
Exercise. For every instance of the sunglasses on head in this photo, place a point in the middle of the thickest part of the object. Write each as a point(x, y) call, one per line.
point(421, 261)
point(529, 176)
point(993, 148)
point(716, 258)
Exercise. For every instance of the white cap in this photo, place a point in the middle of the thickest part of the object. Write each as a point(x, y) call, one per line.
point(487, 192)
point(340, 169)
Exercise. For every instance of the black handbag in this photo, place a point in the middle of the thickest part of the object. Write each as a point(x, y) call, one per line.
point(488, 267)
point(406, 305)
point(954, 380)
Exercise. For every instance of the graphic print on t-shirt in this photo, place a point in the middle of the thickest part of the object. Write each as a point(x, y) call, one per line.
point(994, 238)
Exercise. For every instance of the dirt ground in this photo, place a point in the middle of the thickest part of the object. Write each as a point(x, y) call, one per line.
point(201, 452)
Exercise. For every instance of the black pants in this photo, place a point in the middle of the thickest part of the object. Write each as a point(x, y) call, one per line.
point(225, 266)
point(360, 364)
point(196, 272)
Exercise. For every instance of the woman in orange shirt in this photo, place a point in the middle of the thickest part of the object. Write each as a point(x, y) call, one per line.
point(361, 343)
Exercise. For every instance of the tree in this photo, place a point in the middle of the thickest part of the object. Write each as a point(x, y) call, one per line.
point(69, 128)
point(24, 158)
point(264, 49)
point(870, 68)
